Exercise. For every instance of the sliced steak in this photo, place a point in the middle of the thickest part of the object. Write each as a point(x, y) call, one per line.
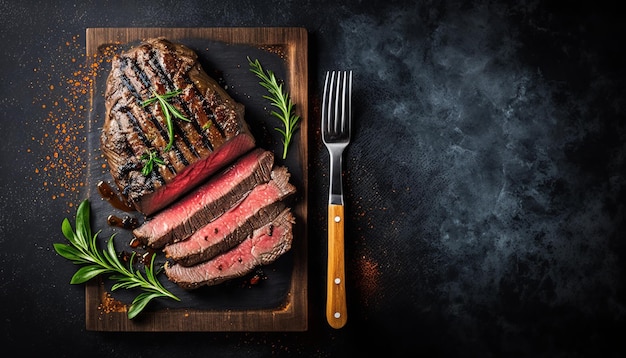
point(210, 200)
point(259, 208)
point(262, 247)
point(215, 135)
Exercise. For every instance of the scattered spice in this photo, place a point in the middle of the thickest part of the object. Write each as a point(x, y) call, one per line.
point(368, 280)
point(109, 304)
point(64, 98)
point(256, 278)
point(278, 50)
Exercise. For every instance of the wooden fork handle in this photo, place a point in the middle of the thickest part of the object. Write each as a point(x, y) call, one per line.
point(336, 307)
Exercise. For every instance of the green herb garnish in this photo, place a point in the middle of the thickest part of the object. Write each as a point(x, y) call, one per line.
point(279, 99)
point(83, 250)
point(168, 110)
point(150, 158)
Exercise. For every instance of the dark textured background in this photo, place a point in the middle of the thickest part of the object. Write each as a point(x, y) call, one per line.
point(485, 183)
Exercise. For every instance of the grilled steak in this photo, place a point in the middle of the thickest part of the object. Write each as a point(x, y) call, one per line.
point(210, 200)
point(214, 136)
point(260, 207)
point(263, 247)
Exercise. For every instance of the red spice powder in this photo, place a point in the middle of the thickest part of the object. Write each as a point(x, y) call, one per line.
point(109, 304)
point(65, 98)
point(368, 280)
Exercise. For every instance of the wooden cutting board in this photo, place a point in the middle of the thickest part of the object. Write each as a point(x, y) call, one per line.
point(279, 302)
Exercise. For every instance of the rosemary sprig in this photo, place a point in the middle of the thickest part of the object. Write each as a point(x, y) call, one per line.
point(83, 250)
point(168, 110)
point(280, 99)
point(150, 158)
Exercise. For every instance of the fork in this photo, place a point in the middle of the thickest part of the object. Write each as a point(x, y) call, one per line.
point(336, 128)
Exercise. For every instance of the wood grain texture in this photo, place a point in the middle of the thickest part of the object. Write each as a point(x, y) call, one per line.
point(336, 307)
point(292, 315)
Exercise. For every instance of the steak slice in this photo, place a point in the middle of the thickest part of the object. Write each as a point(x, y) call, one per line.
point(259, 208)
point(215, 135)
point(210, 200)
point(263, 247)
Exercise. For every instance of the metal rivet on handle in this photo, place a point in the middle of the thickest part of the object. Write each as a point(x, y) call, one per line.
point(337, 280)
point(337, 219)
point(337, 314)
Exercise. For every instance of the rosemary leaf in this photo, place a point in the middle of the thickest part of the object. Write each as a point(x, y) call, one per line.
point(168, 110)
point(150, 158)
point(278, 98)
point(83, 250)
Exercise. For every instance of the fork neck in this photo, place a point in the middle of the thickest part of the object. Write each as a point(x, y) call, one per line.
point(335, 196)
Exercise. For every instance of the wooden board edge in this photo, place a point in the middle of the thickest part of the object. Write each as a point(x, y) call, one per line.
point(233, 35)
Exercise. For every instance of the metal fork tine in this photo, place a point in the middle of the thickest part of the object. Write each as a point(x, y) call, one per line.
point(346, 109)
point(332, 104)
point(337, 102)
point(325, 106)
point(350, 105)
point(339, 114)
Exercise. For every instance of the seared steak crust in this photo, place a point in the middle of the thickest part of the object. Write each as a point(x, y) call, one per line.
point(215, 135)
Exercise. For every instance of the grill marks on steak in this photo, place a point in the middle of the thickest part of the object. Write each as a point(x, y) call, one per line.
point(262, 247)
point(209, 201)
point(259, 207)
point(215, 136)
